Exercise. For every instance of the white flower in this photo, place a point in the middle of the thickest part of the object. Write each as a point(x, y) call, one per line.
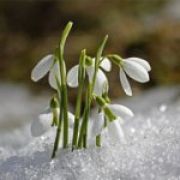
point(43, 123)
point(136, 69)
point(97, 124)
point(115, 131)
point(114, 127)
point(45, 65)
point(120, 110)
point(72, 76)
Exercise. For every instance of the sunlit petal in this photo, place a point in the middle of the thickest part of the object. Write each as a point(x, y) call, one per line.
point(72, 76)
point(125, 83)
point(47, 115)
point(121, 121)
point(120, 110)
point(43, 123)
point(54, 72)
point(97, 124)
point(140, 61)
point(100, 83)
point(71, 119)
point(115, 131)
point(91, 138)
point(43, 66)
point(106, 64)
point(90, 72)
point(136, 71)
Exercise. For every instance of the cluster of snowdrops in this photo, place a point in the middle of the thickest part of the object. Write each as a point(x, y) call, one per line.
point(89, 78)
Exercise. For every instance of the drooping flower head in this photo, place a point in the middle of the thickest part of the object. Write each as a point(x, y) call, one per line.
point(136, 68)
point(45, 65)
point(114, 113)
point(44, 122)
point(109, 117)
point(105, 64)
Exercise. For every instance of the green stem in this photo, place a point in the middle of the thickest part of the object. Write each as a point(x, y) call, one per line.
point(82, 135)
point(58, 131)
point(98, 58)
point(86, 120)
point(98, 140)
point(63, 82)
point(65, 116)
point(98, 137)
point(55, 118)
point(81, 77)
point(84, 127)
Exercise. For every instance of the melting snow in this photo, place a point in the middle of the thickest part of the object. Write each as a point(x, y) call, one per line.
point(151, 152)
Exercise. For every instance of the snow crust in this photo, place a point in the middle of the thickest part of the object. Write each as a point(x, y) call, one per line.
point(151, 151)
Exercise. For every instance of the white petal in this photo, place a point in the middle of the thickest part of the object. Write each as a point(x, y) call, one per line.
point(136, 71)
point(106, 64)
point(43, 124)
point(121, 121)
point(91, 143)
point(54, 72)
point(91, 138)
point(125, 83)
point(47, 115)
point(101, 80)
point(104, 136)
point(100, 83)
point(90, 72)
point(43, 66)
point(140, 61)
point(121, 110)
point(72, 76)
point(115, 131)
point(97, 124)
point(71, 119)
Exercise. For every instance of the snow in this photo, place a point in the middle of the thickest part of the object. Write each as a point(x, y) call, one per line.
point(18, 107)
point(151, 150)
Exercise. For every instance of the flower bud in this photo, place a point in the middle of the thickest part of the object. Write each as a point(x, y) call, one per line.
point(81, 70)
point(116, 59)
point(54, 103)
point(109, 114)
point(105, 92)
point(100, 101)
point(89, 61)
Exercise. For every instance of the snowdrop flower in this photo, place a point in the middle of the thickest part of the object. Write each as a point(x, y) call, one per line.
point(44, 122)
point(120, 111)
point(115, 131)
point(105, 64)
point(45, 65)
point(136, 69)
point(114, 126)
point(96, 124)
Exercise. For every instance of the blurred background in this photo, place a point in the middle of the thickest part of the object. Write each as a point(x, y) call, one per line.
point(30, 29)
point(147, 29)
